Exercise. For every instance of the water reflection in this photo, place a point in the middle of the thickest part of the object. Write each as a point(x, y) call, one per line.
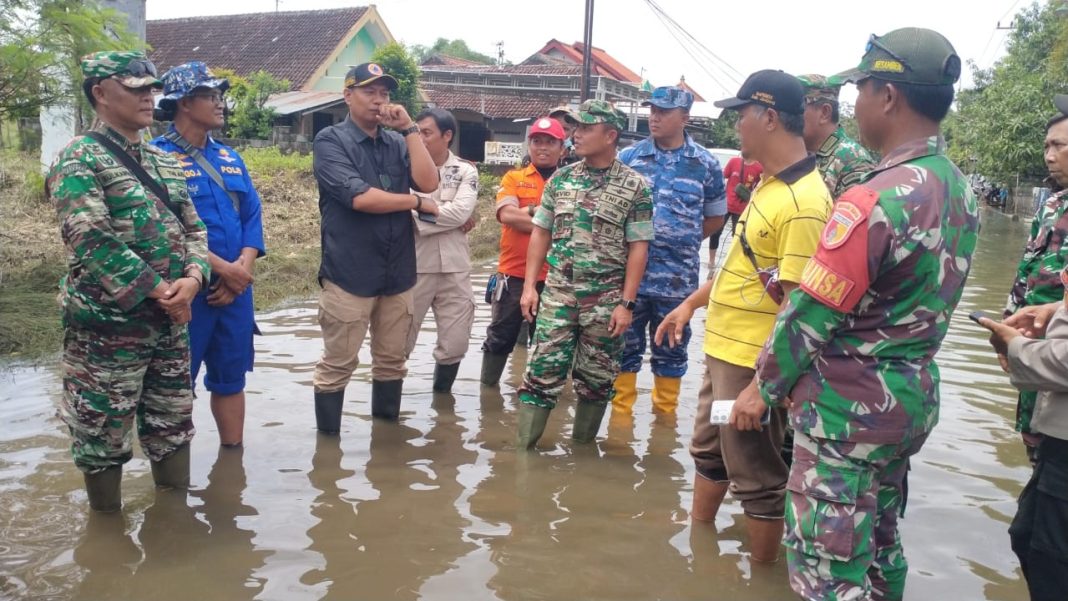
point(439, 506)
point(408, 530)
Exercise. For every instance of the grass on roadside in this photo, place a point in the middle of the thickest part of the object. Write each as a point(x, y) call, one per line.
point(32, 259)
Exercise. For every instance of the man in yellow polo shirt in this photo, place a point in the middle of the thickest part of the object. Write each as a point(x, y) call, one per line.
point(775, 237)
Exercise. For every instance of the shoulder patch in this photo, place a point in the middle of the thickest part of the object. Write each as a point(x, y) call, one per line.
point(851, 210)
point(826, 284)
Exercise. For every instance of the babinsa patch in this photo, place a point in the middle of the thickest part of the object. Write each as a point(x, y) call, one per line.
point(850, 211)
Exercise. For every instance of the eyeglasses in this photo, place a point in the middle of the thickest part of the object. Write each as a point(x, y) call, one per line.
point(214, 97)
point(873, 42)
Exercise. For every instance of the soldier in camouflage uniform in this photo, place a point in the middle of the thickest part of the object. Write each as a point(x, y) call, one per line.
point(852, 356)
point(136, 261)
point(1045, 256)
point(593, 228)
point(689, 203)
point(842, 161)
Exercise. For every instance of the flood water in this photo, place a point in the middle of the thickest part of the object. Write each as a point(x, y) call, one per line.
point(439, 505)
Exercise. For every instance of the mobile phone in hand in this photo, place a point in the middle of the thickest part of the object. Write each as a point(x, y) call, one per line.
point(428, 217)
point(977, 315)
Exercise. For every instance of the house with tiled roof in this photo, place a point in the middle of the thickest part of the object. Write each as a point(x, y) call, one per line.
point(311, 49)
point(603, 64)
point(497, 103)
point(685, 86)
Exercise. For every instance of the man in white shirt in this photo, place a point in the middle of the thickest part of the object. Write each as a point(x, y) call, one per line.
point(443, 256)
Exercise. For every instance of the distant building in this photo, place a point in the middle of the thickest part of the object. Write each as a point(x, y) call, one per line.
point(497, 103)
point(311, 49)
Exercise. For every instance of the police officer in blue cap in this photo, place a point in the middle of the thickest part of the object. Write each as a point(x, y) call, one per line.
point(689, 203)
point(223, 324)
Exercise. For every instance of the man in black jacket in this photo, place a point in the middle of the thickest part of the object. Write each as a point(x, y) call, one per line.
point(365, 175)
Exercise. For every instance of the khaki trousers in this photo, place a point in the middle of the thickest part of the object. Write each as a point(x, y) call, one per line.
point(345, 319)
point(750, 460)
point(452, 300)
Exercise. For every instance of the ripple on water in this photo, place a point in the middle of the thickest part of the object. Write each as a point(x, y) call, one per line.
point(441, 507)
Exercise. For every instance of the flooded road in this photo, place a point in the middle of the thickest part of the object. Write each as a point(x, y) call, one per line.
point(439, 506)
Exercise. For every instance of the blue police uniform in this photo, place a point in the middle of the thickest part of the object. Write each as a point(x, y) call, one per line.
point(687, 186)
point(222, 336)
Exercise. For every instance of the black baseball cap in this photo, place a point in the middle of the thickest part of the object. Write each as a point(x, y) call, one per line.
point(771, 88)
point(368, 73)
point(1061, 102)
point(908, 55)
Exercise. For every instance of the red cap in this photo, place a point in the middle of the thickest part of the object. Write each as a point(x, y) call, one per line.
point(547, 126)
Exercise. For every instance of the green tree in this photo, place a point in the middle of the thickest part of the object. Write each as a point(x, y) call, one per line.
point(457, 48)
point(248, 117)
point(395, 60)
point(723, 133)
point(999, 125)
point(41, 42)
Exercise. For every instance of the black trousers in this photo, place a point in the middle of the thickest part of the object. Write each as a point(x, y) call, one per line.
point(506, 316)
point(713, 238)
point(1039, 532)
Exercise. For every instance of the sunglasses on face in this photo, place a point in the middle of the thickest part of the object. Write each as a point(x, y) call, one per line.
point(137, 68)
point(873, 42)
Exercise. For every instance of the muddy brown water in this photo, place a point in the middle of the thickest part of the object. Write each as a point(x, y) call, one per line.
point(439, 506)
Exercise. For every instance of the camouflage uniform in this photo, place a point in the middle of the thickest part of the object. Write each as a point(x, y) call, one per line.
point(591, 215)
point(687, 187)
point(856, 357)
point(1038, 277)
point(842, 161)
point(123, 359)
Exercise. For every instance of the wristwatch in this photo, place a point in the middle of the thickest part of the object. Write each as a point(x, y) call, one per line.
point(411, 129)
point(628, 304)
point(196, 275)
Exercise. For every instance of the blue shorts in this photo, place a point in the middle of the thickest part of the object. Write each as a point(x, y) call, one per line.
point(221, 337)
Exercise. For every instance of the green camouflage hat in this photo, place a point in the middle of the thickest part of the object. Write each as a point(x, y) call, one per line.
point(131, 68)
point(592, 112)
point(820, 88)
point(907, 55)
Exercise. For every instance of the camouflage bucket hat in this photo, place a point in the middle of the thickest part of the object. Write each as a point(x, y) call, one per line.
point(593, 112)
point(131, 68)
point(908, 55)
point(820, 88)
point(183, 79)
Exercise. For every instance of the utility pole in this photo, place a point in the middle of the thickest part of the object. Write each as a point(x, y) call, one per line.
point(587, 49)
point(500, 53)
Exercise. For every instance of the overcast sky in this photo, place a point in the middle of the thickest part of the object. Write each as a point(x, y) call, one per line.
point(817, 36)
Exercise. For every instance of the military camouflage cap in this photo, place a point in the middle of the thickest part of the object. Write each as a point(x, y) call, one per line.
point(667, 97)
point(820, 88)
point(1061, 102)
point(908, 55)
point(183, 79)
point(131, 68)
point(593, 112)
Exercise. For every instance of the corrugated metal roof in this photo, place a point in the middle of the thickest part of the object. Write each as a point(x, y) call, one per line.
point(290, 103)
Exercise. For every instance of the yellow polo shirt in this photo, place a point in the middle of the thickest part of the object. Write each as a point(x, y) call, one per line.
point(782, 224)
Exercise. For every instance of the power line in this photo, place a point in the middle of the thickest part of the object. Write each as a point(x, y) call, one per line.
point(690, 41)
point(982, 55)
point(731, 73)
point(688, 51)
